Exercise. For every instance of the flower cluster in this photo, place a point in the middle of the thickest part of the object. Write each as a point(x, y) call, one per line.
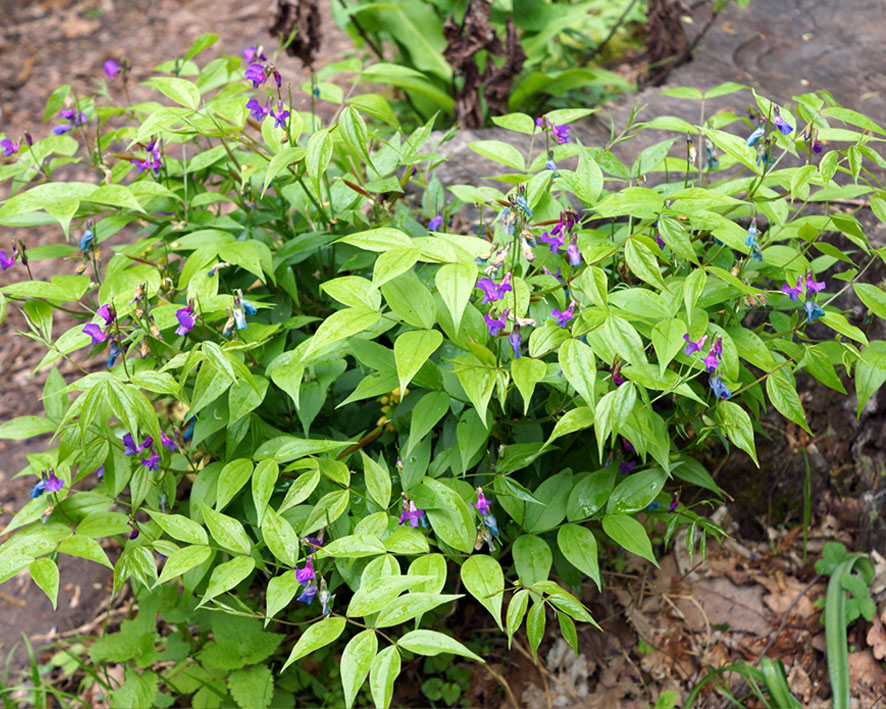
point(412, 514)
point(488, 529)
point(95, 331)
point(259, 69)
point(559, 133)
point(811, 286)
point(74, 119)
point(711, 361)
point(153, 460)
point(237, 314)
point(50, 483)
point(563, 230)
point(152, 161)
point(259, 112)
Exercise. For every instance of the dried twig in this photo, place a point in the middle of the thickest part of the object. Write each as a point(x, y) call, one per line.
point(784, 619)
point(504, 684)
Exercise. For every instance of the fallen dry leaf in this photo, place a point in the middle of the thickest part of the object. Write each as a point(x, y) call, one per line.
point(876, 638)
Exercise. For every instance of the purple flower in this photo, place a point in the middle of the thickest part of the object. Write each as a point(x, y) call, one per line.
point(259, 111)
point(693, 346)
point(675, 500)
point(134, 533)
point(628, 446)
point(551, 165)
point(660, 242)
point(308, 594)
point(168, 442)
point(555, 241)
point(62, 129)
point(816, 146)
point(185, 318)
point(712, 361)
point(617, 379)
point(783, 126)
point(95, 332)
point(256, 74)
point(411, 513)
point(755, 136)
point(564, 317)
point(813, 310)
point(626, 466)
point(152, 161)
point(482, 504)
point(251, 53)
point(435, 223)
point(106, 314)
point(720, 390)
point(7, 261)
point(496, 325)
point(306, 573)
point(111, 68)
point(793, 293)
point(73, 117)
point(812, 285)
point(53, 483)
point(9, 148)
point(277, 78)
point(560, 133)
point(152, 461)
point(129, 446)
point(493, 291)
point(515, 338)
point(280, 116)
point(548, 272)
point(573, 252)
point(100, 472)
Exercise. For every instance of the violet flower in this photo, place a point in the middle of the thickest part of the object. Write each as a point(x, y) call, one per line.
point(411, 514)
point(112, 68)
point(783, 126)
point(307, 596)
point(251, 53)
point(813, 310)
point(185, 317)
point(53, 483)
point(306, 573)
point(554, 241)
point(573, 252)
point(626, 466)
point(482, 504)
point(712, 360)
point(435, 223)
point(256, 74)
point(515, 339)
point(9, 148)
point(100, 472)
point(793, 293)
point(566, 316)
point(96, 333)
point(129, 445)
point(758, 133)
point(617, 379)
point(106, 314)
point(660, 242)
point(259, 111)
point(675, 501)
point(555, 276)
point(168, 442)
point(73, 117)
point(493, 291)
point(496, 325)
point(812, 285)
point(691, 346)
point(152, 461)
point(7, 261)
point(721, 391)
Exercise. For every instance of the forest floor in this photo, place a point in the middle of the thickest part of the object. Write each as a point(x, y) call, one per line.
point(664, 626)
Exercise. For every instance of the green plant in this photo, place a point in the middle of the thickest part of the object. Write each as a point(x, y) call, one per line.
point(850, 573)
point(770, 675)
point(319, 404)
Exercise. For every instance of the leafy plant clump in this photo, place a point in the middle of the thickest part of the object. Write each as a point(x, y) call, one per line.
point(308, 418)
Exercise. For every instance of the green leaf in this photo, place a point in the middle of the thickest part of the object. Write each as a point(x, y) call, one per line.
point(227, 575)
point(316, 636)
point(737, 425)
point(384, 670)
point(280, 592)
point(45, 574)
point(527, 372)
point(667, 339)
point(431, 567)
point(318, 154)
point(411, 350)
point(26, 427)
point(411, 605)
point(643, 263)
point(352, 546)
point(180, 527)
point(138, 689)
point(576, 419)
point(590, 494)
point(227, 531)
point(356, 659)
point(579, 546)
point(431, 643)
point(873, 297)
point(280, 537)
point(819, 366)
point(85, 548)
point(300, 490)
point(263, 481)
point(427, 413)
point(393, 263)
point(484, 580)
point(328, 509)
point(500, 152)
point(378, 481)
point(785, 399)
point(411, 300)
point(379, 240)
point(637, 491)
point(478, 381)
point(630, 534)
point(553, 494)
point(532, 558)
point(579, 368)
point(870, 373)
point(232, 477)
point(183, 560)
point(353, 130)
point(252, 687)
point(340, 325)
point(203, 42)
point(448, 514)
point(455, 282)
point(535, 626)
point(182, 91)
point(516, 611)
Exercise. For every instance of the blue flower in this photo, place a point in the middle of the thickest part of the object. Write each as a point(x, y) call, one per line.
point(813, 310)
point(573, 252)
point(113, 353)
point(38, 489)
point(87, 238)
point(783, 126)
point(515, 338)
point(758, 133)
point(435, 223)
point(721, 391)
